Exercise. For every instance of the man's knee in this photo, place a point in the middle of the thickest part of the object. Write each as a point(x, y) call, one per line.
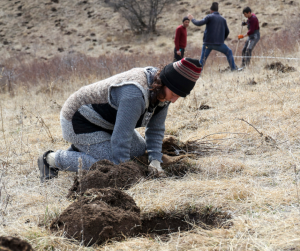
point(229, 52)
point(248, 52)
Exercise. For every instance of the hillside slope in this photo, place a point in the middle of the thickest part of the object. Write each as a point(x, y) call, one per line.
point(46, 28)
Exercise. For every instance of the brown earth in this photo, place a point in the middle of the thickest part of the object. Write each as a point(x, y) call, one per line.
point(278, 66)
point(14, 244)
point(105, 174)
point(102, 214)
point(109, 213)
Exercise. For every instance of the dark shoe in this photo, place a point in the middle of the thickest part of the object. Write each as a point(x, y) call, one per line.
point(46, 172)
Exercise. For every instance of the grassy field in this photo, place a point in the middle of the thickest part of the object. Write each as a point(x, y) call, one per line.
point(251, 171)
point(254, 177)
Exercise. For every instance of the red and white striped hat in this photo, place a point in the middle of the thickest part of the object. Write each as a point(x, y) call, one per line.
point(181, 76)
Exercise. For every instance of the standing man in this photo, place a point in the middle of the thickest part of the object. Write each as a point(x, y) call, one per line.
point(214, 35)
point(180, 39)
point(252, 34)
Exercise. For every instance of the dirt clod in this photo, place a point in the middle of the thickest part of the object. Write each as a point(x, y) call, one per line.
point(99, 215)
point(105, 174)
point(14, 244)
point(204, 107)
point(279, 67)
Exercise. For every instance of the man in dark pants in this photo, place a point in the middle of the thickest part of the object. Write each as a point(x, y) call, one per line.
point(252, 34)
point(215, 33)
point(180, 39)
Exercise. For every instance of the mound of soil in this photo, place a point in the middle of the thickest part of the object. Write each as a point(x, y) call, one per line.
point(99, 215)
point(105, 174)
point(102, 214)
point(279, 67)
point(14, 244)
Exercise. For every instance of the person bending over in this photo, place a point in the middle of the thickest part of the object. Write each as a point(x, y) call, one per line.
point(99, 119)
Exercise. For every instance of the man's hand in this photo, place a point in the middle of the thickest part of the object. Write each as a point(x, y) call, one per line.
point(178, 53)
point(190, 16)
point(155, 169)
point(244, 23)
point(240, 36)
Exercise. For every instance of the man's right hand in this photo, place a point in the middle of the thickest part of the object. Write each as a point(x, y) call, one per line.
point(244, 23)
point(178, 53)
point(190, 16)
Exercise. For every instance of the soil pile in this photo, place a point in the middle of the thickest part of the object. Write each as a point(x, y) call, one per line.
point(105, 174)
point(99, 215)
point(102, 214)
point(14, 244)
point(279, 67)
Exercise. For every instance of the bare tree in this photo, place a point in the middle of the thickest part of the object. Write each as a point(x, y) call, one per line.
point(142, 15)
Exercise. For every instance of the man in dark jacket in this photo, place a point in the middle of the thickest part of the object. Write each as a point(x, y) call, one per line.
point(252, 34)
point(180, 39)
point(215, 33)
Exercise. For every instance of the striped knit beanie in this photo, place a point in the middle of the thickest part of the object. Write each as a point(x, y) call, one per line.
point(181, 76)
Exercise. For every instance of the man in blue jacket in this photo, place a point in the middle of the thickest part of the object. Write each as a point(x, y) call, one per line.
point(215, 33)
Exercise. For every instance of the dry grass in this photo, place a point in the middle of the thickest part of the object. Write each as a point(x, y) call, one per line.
point(253, 178)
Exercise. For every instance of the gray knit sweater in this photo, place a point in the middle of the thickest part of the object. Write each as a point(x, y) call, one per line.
point(130, 101)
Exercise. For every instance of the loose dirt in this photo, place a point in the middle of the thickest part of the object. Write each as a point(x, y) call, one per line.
point(99, 215)
point(105, 174)
point(102, 214)
point(14, 244)
point(279, 67)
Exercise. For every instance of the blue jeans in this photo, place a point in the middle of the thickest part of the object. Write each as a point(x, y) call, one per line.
point(207, 48)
